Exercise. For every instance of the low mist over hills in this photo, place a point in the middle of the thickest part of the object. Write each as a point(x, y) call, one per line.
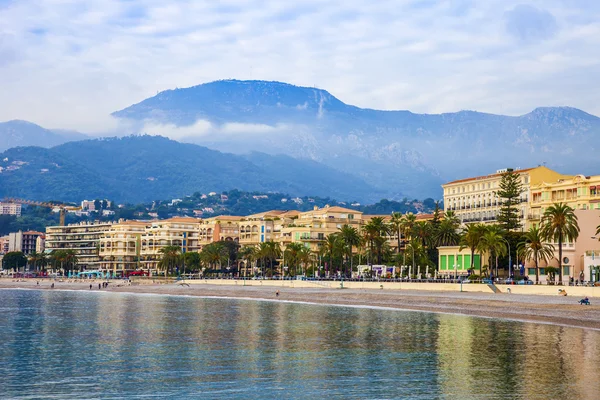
point(395, 151)
point(146, 168)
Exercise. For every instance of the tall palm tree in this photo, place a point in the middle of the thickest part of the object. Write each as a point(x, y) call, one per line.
point(375, 228)
point(334, 248)
point(215, 255)
point(37, 260)
point(269, 251)
point(470, 238)
point(170, 257)
point(422, 231)
point(291, 254)
point(493, 242)
point(351, 239)
point(396, 226)
point(559, 223)
point(410, 220)
point(247, 254)
point(304, 257)
point(534, 248)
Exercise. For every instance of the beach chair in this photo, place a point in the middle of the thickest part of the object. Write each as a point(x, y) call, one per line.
point(585, 301)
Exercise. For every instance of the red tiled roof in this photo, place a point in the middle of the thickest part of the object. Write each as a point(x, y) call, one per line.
point(485, 176)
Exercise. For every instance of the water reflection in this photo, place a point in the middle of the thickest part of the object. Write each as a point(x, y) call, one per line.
point(103, 345)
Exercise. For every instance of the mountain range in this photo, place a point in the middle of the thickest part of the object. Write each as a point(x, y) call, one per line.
point(282, 132)
point(399, 152)
point(147, 168)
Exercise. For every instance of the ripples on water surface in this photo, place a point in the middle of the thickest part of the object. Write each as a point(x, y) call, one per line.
point(111, 345)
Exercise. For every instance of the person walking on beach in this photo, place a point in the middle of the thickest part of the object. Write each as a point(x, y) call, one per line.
point(52, 286)
point(90, 286)
point(99, 286)
point(277, 293)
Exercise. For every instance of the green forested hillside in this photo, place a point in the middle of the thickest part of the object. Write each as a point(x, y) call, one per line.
point(143, 168)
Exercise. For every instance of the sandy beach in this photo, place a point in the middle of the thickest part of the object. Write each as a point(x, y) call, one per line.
point(534, 308)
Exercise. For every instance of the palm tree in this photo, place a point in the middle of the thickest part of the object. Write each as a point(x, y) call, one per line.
point(304, 257)
point(470, 238)
point(291, 254)
point(170, 257)
point(214, 254)
point(534, 248)
point(247, 254)
point(410, 220)
point(396, 225)
point(374, 229)
point(422, 231)
point(334, 247)
point(446, 233)
point(559, 223)
point(493, 242)
point(37, 259)
point(269, 251)
point(351, 239)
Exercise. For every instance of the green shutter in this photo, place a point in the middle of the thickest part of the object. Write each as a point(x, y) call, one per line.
point(443, 262)
point(477, 261)
point(459, 261)
point(467, 261)
point(451, 263)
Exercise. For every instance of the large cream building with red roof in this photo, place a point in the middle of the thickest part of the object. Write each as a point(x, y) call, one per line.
point(475, 199)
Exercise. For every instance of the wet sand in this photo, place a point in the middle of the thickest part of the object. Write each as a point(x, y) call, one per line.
point(557, 310)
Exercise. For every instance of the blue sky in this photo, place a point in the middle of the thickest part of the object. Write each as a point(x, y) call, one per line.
point(68, 64)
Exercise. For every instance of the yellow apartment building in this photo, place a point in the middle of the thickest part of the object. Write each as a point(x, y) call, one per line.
point(475, 199)
point(121, 246)
point(264, 227)
point(224, 227)
point(183, 232)
point(311, 228)
point(84, 238)
point(580, 192)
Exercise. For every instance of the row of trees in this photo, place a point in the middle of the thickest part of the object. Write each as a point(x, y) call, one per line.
point(65, 260)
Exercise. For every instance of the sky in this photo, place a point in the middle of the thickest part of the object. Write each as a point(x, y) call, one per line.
point(70, 63)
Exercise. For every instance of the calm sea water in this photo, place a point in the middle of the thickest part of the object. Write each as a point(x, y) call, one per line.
point(107, 345)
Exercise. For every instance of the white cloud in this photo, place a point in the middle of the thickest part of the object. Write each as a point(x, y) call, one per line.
point(205, 130)
point(69, 64)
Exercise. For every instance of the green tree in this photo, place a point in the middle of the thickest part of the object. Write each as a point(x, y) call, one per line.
point(170, 258)
point(350, 238)
point(446, 233)
point(373, 231)
point(269, 251)
point(191, 260)
point(470, 238)
point(214, 255)
point(493, 242)
point(38, 260)
point(559, 224)
point(396, 226)
point(334, 247)
point(534, 248)
point(509, 192)
point(248, 255)
point(14, 259)
point(291, 255)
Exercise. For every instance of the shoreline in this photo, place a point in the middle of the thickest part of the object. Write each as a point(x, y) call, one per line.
point(560, 311)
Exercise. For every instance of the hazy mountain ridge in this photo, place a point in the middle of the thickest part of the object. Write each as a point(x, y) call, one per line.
point(145, 168)
point(393, 150)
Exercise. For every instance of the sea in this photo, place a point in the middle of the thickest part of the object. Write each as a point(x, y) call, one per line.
point(99, 345)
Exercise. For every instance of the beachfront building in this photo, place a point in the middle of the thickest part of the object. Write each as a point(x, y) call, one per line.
point(579, 192)
point(183, 232)
point(311, 228)
point(475, 199)
point(454, 261)
point(4, 242)
point(121, 245)
point(263, 227)
point(83, 237)
point(580, 258)
point(10, 209)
